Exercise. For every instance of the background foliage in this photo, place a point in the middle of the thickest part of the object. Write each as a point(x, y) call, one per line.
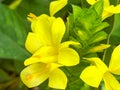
point(13, 31)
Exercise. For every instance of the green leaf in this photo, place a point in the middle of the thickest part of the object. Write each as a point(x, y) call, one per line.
point(12, 35)
point(12, 25)
point(76, 11)
point(100, 27)
point(115, 34)
point(9, 49)
point(98, 37)
point(113, 39)
point(73, 74)
point(98, 7)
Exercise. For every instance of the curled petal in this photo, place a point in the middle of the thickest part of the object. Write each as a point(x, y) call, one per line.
point(110, 10)
point(57, 79)
point(99, 48)
point(55, 6)
point(92, 76)
point(106, 2)
point(113, 9)
point(34, 74)
point(91, 2)
point(68, 57)
point(114, 65)
point(67, 43)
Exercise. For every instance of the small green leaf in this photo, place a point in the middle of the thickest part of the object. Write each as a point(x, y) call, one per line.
point(100, 27)
point(98, 7)
point(76, 11)
point(98, 37)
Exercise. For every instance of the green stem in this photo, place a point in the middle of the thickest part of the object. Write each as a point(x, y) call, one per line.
point(108, 42)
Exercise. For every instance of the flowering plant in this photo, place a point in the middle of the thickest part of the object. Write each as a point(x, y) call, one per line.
point(77, 49)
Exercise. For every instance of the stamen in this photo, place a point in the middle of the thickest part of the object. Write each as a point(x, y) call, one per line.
point(31, 17)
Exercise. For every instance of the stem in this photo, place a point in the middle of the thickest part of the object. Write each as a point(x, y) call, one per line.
point(108, 42)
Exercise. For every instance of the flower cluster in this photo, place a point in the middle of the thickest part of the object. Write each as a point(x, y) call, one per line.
point(108, 10)
point(44, 42)
point(94, 74)
point(50, 52)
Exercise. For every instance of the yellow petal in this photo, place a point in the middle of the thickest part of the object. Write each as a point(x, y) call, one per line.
point(34, 74)
point(92, 76)
point(106, 2)
point(99, 48)
point(109, 10)
point(113, 9)
point(106, 14)
point(54, 66)
point(98, 63)
point(67, 43)
point(118, 88)
point(58, 30)
point(55, 6)
point(68, 57)
point(40, 23)
point(114, 65)
point(46, 54)
point(42, 26)
point(57, 79)
point(33, 42)
point(91, 2)
point(110, 82)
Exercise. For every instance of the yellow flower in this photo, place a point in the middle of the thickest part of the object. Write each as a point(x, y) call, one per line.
point(98, 71)
point(55, 6)
point(44, 42)
point(109, 10)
